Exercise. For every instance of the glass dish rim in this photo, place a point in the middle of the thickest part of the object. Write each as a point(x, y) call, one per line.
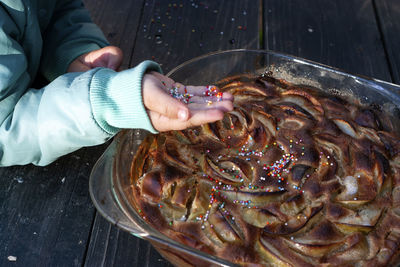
point(391, 87)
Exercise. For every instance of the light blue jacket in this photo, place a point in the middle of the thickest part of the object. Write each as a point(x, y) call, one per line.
point(75, 109)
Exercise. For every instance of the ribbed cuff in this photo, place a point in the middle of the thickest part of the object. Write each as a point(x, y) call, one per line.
point(116, 98)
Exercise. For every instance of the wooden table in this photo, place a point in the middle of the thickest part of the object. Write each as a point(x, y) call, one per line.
point(46, 215)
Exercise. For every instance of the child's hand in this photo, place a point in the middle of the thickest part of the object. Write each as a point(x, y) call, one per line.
point(173, 106)
point(108, 57)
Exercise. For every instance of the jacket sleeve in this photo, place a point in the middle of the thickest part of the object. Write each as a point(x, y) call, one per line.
point(69, 34)
point(75, 110)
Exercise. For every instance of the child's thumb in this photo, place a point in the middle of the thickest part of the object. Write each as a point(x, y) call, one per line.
point(175, 110)
point(168, 106)
point(183, 114)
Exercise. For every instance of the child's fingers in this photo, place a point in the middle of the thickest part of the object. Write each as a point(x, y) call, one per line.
point(169, 107)
point(166, 81)
point(203, 116)
point(181, 91)
point(213, 98)
point(109, 57)
point(227, 96)
point(198, 117)
point(208, 99)
point(209, 90)
point(156, 99)
point(187, 96)
point(173, 106)
point(224, 106)
point(193, 90)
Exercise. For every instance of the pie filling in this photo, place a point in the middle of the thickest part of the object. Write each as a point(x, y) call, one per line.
point(291, 176)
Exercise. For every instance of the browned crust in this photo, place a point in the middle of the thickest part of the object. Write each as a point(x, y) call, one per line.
point(291, 177)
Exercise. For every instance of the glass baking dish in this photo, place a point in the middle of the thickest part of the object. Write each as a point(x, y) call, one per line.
point(110, 185)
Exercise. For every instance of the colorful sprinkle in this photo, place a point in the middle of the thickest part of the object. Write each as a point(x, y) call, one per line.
point(185, 97)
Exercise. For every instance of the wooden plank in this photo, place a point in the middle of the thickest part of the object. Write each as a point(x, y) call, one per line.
point(101, 243)
point(43, 219)
point(388, 12)
point(46, 212)
point(341, 33)
point(113, 247)
point(171, 33)
point(119, 22)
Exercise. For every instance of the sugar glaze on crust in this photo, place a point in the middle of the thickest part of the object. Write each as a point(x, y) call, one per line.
point(290, 177)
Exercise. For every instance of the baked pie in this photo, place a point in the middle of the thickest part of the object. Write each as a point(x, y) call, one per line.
point(293, 176)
